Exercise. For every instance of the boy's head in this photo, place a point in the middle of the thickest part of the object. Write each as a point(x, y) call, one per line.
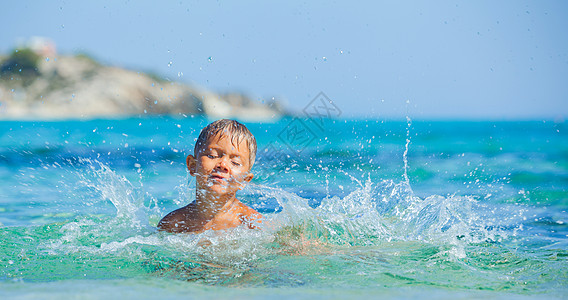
point(231, 129)
point(223, 157)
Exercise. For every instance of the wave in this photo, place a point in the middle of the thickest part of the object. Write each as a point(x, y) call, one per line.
point(381, 228)
point(372, 214)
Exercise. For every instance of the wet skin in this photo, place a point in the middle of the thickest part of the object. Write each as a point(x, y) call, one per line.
point(221, 169)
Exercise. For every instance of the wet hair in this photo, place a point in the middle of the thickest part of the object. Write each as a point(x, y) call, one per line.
point(232, 129)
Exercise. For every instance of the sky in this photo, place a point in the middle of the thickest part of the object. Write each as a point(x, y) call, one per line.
point(495, 60)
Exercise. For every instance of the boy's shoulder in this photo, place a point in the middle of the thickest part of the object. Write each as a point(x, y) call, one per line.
point(178, 220)
point(247, 214)
point(185, 219)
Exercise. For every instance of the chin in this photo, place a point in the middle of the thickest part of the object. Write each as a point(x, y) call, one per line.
point(221, 190)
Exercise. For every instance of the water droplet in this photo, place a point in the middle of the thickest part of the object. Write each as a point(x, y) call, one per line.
point(210, 58)
point(47, 59)
point(170, 64)
point(324, 58)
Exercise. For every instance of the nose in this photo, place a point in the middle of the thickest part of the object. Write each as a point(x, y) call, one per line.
point(223, 164)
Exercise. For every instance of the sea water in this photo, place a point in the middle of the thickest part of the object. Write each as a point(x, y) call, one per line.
point(353, 208)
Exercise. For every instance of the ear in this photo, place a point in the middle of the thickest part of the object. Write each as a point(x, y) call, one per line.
point(248, 177)
point(191, 164)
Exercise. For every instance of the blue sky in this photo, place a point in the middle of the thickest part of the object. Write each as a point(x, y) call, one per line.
point(385, 59)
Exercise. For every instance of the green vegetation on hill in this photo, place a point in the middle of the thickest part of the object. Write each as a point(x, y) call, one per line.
point(22, 65)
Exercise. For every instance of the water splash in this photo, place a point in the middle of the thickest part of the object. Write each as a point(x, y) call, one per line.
point(373, 214)
point(382, 212)
point(406, 145)
point(381, 224)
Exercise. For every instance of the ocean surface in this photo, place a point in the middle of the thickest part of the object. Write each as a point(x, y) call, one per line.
point(353, 209)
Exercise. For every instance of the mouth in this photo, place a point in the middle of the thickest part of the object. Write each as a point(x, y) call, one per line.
point(218, 178)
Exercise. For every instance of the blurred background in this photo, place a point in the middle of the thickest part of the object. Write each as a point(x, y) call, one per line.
point(376, 59)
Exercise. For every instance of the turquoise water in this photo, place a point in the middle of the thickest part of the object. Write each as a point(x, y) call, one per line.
point(354, 208)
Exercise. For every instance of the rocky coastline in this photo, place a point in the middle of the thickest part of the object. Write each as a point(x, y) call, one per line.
point(34, 87)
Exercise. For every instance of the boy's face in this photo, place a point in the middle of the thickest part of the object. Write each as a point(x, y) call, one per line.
point(221, 167)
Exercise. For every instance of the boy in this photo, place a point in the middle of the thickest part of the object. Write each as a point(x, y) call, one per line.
point(224, 154)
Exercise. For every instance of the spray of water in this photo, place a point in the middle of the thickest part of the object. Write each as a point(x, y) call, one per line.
point(406, 145)
point(375, 212)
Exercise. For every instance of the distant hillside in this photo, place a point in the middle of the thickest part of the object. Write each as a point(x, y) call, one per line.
point(78, 87)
